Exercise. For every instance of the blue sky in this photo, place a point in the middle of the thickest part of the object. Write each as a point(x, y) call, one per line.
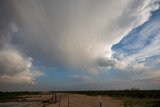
point(79, 45)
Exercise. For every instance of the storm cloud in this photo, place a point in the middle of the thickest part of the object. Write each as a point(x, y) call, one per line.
point(71, 35)
point(16, 68)
point(75, 34)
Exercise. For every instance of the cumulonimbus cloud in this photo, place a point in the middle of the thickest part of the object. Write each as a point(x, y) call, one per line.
point(78, 34)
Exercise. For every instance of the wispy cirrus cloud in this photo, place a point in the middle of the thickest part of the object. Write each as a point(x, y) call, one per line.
point(138, 54)
point(140, 44)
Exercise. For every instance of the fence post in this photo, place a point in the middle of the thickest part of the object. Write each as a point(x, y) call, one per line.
point(100, 101)
point(59, 99)
point(52, 96)
point(68, 100)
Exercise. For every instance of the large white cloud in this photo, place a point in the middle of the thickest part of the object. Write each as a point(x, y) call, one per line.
point(15, 67)
point(77, 34)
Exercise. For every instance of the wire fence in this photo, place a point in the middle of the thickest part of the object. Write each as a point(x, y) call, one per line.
point(57, 98)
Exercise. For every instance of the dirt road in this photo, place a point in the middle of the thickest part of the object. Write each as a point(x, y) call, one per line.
point(75, 100)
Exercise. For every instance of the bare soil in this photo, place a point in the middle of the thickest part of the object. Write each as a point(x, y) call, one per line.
point(75, 100)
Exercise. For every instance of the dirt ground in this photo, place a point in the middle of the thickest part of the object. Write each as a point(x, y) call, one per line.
point(75, 100)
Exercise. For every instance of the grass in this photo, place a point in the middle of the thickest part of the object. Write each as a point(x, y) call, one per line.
point(130, 98)
point(145, 102)
point(13, 96)
point(123, 93)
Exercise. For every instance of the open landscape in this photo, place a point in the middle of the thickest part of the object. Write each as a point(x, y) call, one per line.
point(79, 53)
point(123, 98)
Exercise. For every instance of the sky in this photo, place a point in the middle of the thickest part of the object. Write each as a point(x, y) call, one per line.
point(79, 44)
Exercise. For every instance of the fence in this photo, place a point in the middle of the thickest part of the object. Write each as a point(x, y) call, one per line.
point(56, 98)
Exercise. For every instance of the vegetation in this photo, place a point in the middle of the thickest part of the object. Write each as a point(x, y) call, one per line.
point(147, 98)
point(129, 97)
point(133, 93)
point(11, 96)
point(146, 102)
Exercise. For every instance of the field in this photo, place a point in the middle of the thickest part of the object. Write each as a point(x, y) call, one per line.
point(75, 100)
point(12, 96)
point(147, 98)
point(112, 98)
